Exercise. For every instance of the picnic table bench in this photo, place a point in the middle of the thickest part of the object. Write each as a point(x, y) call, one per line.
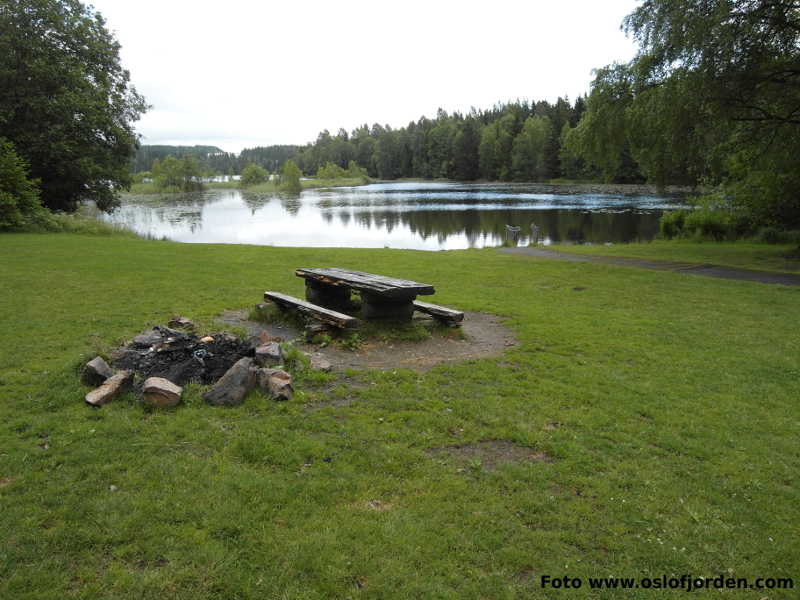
point(328, 294)
point(381, 297)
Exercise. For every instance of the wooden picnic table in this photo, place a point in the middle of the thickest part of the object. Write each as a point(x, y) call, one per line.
point(381, 297)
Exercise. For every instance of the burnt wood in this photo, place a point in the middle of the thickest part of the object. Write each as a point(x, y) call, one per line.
point(439, 312)
point(387, 287)
point(317, 312)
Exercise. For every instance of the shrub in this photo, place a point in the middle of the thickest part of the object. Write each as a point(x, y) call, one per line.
point(253, 175)
point(177, 174)
point(20, 204)
point(356, 172)
point(290, 177)
point(330, 171)
point(708, 224)
point(774, 235)
point(671, 223)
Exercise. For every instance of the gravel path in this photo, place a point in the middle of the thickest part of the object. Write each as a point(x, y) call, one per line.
point(664, 265)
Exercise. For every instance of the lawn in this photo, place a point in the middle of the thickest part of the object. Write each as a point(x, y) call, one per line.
point(665, 405)
point(746, 255)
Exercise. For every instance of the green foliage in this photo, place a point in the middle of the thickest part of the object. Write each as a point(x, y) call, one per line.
point(352, 342)
point(709, 224)
point(773, 235)
point(331, 171)
point(177, 174)
point(671, 223)
point(290, 177)
point(65, 101)
point(702, 223)
point(573, 165)
point(528, 159)
point(253, 175)
point(20, 206)
point(322, 339)
point(601, 136)
point(294, 359)
point(711, 97)
point(357, 172)
point(449, 146)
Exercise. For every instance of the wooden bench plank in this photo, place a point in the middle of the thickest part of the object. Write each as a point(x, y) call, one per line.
point(388, 287)
point(320, 313)
point(439, 312)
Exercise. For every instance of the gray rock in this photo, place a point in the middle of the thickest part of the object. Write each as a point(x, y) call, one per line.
point(319, 362)
point(111, 388)
point(254, 341)
point(314, 328)
point(269, 354)
point(275, 383)
point(232, 387)
point(158, 391)
point(181, 323)
point(146, 339)
point(96, 371)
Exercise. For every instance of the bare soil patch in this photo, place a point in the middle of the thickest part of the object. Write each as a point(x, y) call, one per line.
point(491, 453)
point(482, 336)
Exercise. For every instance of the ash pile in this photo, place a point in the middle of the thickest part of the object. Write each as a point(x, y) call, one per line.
point(157, 363)
point(181, 357)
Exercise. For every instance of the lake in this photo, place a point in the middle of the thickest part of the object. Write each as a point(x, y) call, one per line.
point(424, 216)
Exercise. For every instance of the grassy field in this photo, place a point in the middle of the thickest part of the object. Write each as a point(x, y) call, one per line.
point(747, 255)
point(666, 407)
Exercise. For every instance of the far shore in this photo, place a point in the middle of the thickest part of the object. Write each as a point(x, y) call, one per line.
point(553, 187)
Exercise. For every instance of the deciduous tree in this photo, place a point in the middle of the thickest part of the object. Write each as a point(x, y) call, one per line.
point(65, 101)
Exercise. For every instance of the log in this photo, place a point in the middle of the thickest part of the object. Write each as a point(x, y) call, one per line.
point(388, 287)
point(448, 315)
point(320, 313)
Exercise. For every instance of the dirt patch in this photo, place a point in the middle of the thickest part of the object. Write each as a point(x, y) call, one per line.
point(238, 318)
point(481, 336)
point(4, 481)
point(491, 453)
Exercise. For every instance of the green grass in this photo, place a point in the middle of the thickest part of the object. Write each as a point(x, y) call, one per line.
point(676, 449)
point(747, 255)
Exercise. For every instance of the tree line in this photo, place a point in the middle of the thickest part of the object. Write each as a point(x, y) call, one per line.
point(516, 141)
point(211, 160)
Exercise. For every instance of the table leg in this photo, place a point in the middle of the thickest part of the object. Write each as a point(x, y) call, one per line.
point(335, 297)
point(374, 306)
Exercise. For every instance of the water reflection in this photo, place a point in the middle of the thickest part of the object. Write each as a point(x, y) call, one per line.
point(423, 216)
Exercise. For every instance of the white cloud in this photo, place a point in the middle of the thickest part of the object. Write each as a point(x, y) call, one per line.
point(257, 73)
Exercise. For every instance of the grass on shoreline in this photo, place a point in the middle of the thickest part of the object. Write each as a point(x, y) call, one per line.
point(666, 406)
point(270, 186)
point(780, 258)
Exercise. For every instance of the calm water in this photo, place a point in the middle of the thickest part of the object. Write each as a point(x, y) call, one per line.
point(426, 216)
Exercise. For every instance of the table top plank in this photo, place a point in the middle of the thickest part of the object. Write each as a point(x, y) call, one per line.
point(369, 282)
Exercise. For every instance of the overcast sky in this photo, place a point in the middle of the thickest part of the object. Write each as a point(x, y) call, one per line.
point(244, 73)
